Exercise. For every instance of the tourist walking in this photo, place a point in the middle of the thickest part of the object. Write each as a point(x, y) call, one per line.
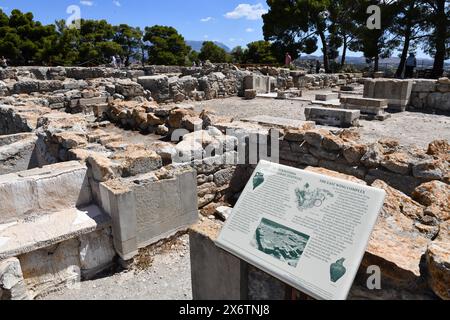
point(411, 65)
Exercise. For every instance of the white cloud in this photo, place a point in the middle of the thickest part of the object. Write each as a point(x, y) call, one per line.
point(247, 11)
point(117, 3)
point(87, 3)
point(206, 19)
point(249, 30)
point(206, 36)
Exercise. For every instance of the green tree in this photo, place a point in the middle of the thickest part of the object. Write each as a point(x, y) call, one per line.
point(301, 23)
point(238, 55)
point(130, 39)
point(438, 43)
point(260, 52)
point(24, 41)
point(212, 52)
point(96, 42)
point(375, 43)
point(167, 46)
point(408, 25)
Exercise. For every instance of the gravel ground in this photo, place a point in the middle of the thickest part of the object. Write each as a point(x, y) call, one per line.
point(410, 128)
point(165, 276)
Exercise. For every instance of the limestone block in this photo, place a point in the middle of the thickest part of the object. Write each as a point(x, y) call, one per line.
point(48, 189)
point(216, 274)
point(333, 117)
point(12, 285)
point(423, 85)
point(96, 252)
point(439, 101)
point(158, 86)
point(250, 94)
point(438, 262)
point(147, 209)
point(52, 268)
point(327, 97)
point(257, 82)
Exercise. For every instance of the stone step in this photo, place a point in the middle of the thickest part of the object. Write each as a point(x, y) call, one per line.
point(333, 116)
point(28, 235)
point(365, 105)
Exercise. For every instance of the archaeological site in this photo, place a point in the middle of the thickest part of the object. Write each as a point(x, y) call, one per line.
point(131, 182)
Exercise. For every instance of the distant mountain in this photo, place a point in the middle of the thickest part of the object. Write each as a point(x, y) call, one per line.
point(362, 60)
point(197, 45)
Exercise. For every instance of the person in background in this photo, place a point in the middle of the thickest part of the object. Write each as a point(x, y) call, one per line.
point(119, 61)
point(311, 67)
point(318, 66)
point(3, 62)
point(411, 65)
point(288, 60)
point(114, 61)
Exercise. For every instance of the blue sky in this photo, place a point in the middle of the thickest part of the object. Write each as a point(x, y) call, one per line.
point(232, 22)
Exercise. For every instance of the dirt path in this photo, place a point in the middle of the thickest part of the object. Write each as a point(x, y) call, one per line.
point(168, 277)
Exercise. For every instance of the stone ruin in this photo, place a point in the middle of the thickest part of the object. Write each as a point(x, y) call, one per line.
point(96, 164)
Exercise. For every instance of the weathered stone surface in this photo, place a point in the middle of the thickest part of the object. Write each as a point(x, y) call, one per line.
point(250, 94)
point(354, 152)
point(12, 285)
point(327, 97)
point(397, 162)
point(52, 228)
point(44, 190)
point(102, 168)
point(332, 143)
point(128, 88)
point(135, 162)
point(373, 156)
point(96, 252)
point(146, 209)
point(71, 140)
point(435, 194)
point(438, 263)
point(223, 177)
point(333, 117)
point(431, 169)
point(439, 148)
point(52, 268)
point(395, 245)
point(294, 135)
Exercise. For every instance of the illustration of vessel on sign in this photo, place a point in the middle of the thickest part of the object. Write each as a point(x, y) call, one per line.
point(308, 198)
point(258, 180)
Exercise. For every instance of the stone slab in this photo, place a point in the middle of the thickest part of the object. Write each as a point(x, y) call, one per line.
point(333, 117)
point(281, 123)
point(21, 237)
point(43, 190)
point(327, 96)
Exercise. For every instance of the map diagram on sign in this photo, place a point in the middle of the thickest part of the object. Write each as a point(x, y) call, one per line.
point(308, 198)
point(280, 242)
